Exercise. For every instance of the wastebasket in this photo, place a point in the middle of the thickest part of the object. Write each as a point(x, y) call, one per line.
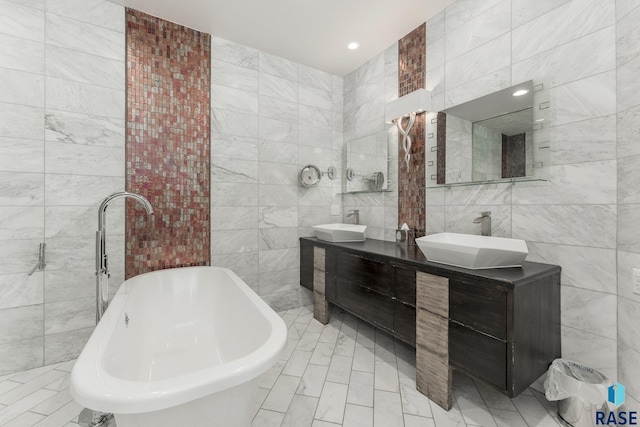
point(580, 391)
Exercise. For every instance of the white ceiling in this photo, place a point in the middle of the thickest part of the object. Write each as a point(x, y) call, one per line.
point(312, 32)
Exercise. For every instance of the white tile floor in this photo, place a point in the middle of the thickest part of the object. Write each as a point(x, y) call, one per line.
point(342, 374)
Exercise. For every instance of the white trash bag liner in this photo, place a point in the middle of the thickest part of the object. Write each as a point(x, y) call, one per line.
point(566, 378)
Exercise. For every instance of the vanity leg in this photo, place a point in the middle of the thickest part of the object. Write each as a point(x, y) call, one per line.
point(433, 374)
point(320, 308)
point(434, 377)
point(320, 304)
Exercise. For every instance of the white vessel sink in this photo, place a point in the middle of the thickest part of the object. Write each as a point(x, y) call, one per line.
point(340, 232)
point(474, 252)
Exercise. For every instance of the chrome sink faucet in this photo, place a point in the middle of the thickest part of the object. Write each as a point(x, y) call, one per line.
point(485, 223)
point(102, 267)
point(356, 216)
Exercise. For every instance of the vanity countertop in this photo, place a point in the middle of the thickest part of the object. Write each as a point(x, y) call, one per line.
point(512, 277)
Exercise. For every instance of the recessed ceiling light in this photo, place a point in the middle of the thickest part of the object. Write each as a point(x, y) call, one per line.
point(353, 45)
point(520, 92)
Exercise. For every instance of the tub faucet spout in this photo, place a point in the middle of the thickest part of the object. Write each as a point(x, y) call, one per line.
point(485, 223)
point(102, 266)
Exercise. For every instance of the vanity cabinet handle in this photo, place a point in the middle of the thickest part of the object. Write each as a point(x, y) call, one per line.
point(375, 261)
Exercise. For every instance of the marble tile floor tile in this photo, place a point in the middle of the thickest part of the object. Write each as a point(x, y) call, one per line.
point(343, 374)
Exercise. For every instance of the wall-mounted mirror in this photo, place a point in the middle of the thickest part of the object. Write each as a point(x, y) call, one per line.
point(502, 136)
point(367, 163)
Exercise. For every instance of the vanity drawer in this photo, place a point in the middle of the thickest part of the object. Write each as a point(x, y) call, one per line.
point(404, 322)
point(480, 354)
point(483, 308)
point(370, 273)
point(371, 305)
point(404, 284)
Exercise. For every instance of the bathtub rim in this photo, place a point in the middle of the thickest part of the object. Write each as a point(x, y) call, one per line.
point(94, 388)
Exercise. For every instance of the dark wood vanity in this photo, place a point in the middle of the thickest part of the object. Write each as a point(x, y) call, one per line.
point(501, 326)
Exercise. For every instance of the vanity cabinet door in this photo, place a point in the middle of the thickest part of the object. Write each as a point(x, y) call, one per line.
point(372, 306)
point(481, 355)
point(330, 274)
point(367, 272)
point(480, 306)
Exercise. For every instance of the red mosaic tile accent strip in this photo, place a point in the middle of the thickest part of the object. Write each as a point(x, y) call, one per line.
point(412, 61)
point(168, 144)
point(441, 160)
point(412, 179)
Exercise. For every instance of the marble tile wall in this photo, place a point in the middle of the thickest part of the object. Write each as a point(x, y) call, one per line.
point(575, 219)
point(269, 118)
point(62, 142)
point(366, 91)
point(628, 192)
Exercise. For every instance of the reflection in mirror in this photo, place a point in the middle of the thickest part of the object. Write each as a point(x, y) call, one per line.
point(502, 146)
point(497, 137)
point(367, 163)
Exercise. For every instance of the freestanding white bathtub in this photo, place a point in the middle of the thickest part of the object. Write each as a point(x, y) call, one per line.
point(179, 347)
